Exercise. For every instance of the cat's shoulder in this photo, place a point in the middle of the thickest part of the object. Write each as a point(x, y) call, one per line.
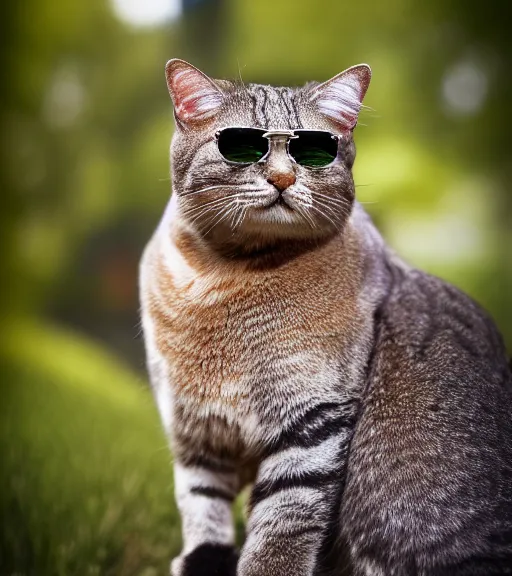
point(429, 315)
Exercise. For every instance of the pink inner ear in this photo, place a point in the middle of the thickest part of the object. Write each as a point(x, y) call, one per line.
point(340, 99)
point(195, 98)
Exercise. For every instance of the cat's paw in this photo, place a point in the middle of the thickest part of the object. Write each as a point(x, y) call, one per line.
point(176, 566)
point(207, 560)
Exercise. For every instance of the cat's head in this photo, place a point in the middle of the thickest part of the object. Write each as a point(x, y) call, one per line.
point(260, 186)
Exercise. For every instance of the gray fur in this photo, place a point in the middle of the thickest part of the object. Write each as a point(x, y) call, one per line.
point(377, 445)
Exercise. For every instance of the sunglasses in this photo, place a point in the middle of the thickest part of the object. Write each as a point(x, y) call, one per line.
point(309, 148)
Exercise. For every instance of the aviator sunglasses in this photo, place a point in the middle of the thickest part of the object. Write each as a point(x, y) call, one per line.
point(309, 148)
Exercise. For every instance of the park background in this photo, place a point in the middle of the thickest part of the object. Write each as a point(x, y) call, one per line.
point(85, 475)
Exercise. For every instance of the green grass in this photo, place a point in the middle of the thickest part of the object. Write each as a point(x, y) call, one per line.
point(85, 474)
point(85, 481)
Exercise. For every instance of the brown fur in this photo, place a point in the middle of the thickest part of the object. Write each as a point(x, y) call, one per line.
point(207, 340)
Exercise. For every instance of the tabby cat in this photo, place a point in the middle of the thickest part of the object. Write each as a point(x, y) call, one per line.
point(368, 403)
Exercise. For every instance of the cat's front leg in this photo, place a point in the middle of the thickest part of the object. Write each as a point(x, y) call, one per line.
point(295, 498)
point(205, 496)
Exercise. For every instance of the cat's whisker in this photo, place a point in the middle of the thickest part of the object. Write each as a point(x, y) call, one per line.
point(210, 218)
point(326, 216)
point(218, 221)
point(338, 202)
point(225, 215)
point(334, 200)
point(208, 188)
point(244, 214)
point(203, 204)
point(233, 214)
point(206, 206)
point(217, 207)
point(334, 210)
point(250, 194)
point(305, 217)
point(240, 75)
point(208, 215)
point(302, 211)
point(241, 216)
point(216, 187)
point(212, 212)
point(310, 219)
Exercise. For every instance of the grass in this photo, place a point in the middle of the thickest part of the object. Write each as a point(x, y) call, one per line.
point(85, 481)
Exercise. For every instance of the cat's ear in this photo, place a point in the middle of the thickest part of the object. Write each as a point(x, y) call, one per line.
point(341, 97)
point(196, 97)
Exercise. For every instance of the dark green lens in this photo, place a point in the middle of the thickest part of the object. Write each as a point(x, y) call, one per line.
point(314, 149)
point(242, 145)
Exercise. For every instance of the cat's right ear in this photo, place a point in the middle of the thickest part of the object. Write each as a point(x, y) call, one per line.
point(341, 97)
point(196, 97)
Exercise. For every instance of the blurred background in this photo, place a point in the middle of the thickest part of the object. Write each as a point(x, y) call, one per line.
point(85, 475)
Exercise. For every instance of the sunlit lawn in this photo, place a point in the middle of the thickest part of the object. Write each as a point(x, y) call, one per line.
point(86, 483)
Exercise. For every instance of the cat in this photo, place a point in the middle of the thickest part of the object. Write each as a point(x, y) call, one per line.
point(368, 403)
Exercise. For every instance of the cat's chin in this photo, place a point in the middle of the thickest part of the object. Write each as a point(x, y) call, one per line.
point(277, 213)
point(279, 221)
point(271, 220)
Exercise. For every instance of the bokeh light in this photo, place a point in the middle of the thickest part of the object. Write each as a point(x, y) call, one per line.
point(147, 13)
point(465, 88)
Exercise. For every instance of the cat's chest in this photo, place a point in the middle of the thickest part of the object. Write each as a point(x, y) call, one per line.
point(221, 337)
point(247, 348)
point(250, 358)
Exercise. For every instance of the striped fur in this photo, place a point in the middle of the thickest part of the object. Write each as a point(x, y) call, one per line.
point(287, 347)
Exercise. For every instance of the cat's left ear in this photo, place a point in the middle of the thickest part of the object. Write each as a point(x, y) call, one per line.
point(341, 97)
point(196, 97)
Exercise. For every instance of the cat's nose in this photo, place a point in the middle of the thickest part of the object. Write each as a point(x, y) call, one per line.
point(281, 179)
